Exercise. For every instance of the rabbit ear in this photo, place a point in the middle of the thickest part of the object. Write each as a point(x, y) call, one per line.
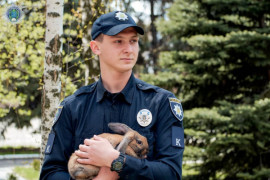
point(119, 128)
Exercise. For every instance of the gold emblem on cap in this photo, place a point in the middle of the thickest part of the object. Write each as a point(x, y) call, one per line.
point(121, 16)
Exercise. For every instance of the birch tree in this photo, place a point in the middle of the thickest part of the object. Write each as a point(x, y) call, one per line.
point(52, 67)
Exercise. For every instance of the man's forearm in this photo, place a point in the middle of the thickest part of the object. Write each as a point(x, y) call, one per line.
point(106, 174)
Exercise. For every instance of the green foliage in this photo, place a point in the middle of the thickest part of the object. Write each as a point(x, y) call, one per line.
point(190, 171)
point(258, 174)
point(211, 47)
point(22, 51)
point(18, 150)
point(21, 62)
point(12, 177)
point(36, 164)
point(216, 60)
point(231, 140)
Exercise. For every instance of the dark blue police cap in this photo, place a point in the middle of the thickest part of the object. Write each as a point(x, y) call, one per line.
point(113, 23)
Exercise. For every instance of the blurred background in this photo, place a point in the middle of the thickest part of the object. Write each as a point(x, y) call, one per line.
point(214, 55)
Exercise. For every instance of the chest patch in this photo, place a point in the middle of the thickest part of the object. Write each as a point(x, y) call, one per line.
point(176, 108)
point(144, 117)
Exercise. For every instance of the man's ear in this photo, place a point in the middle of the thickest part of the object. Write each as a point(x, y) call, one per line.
point(94, 45)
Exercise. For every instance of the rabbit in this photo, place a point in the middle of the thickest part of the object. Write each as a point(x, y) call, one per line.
point(128, 141)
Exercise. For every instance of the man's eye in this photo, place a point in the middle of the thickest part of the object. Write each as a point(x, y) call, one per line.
point(134, 41)
point(118, 41)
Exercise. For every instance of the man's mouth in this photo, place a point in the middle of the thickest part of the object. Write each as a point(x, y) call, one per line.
point(126, 59)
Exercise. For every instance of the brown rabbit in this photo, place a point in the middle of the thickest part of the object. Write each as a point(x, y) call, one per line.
point(129, 142)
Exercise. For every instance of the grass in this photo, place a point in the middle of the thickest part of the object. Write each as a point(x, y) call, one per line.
point(29, 173)
point(18, 150)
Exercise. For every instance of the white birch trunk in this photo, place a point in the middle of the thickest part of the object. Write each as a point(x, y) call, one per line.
point(52, 68)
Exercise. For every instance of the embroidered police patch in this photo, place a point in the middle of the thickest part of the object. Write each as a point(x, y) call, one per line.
point(58, 113)
point(176, 108)
point(144, 117)
point(178, 137)
point(121, 16)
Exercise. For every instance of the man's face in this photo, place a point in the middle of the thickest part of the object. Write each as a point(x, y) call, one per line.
point(120, 52)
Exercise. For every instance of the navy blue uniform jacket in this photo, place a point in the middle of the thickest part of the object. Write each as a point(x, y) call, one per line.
point(88, 111)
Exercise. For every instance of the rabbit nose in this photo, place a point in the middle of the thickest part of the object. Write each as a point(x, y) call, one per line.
point(143, 156)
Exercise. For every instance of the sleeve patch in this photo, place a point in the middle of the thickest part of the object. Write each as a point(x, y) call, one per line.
point(178, 137)
point(58, 113)
point(49, 146)
point(176, 108)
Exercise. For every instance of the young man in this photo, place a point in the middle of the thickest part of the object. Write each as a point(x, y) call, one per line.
point(117, 97)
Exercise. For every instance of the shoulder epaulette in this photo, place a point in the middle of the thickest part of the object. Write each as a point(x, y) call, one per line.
point(85, 89)
point(145, 86)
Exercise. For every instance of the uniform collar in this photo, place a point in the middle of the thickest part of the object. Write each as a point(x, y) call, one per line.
point(100, 90)
point(127, 92)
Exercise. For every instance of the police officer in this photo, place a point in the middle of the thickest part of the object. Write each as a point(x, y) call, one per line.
point(117, 97)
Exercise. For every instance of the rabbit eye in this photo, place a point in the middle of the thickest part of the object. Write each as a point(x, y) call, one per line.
point(139, 141)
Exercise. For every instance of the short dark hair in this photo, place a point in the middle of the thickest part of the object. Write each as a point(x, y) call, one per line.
point(99, 38)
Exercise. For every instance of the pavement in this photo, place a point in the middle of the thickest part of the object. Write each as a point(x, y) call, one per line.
point(19, 137)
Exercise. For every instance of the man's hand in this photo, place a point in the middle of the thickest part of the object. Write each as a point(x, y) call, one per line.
point(106, 174)
point(97, 151)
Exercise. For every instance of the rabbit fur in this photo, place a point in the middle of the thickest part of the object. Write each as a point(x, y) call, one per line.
point(128, 141)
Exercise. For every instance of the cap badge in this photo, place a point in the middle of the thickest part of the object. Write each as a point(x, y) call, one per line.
point(121, 16)
point(144, 117)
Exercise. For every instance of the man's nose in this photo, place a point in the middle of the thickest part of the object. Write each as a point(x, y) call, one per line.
point(128, 47)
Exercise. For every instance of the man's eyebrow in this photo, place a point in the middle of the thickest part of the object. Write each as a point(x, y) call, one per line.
point(120, 36)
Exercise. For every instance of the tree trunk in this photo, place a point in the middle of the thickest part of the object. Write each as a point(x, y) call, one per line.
point(52, 68)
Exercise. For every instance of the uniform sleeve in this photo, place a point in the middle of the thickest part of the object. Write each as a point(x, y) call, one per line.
point(55, 161)
point(167, 163)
